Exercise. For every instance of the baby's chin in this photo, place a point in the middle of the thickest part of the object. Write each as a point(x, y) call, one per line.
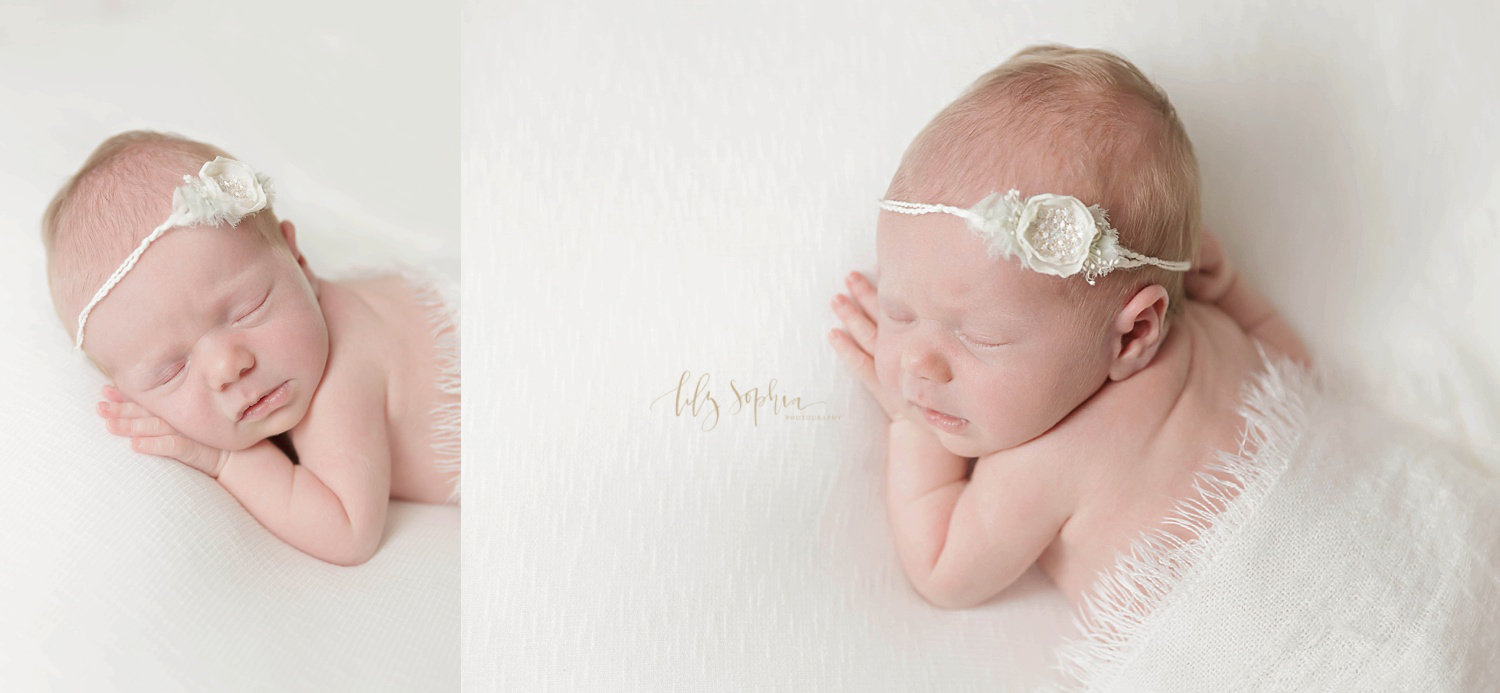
point(964, 447)
point(278, 423)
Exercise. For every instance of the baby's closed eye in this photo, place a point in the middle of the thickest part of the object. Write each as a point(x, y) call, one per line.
point(171, 372)
point(895, 313)
point(254, 309)
point(981, 342)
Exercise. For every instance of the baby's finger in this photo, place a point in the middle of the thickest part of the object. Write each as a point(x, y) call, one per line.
point(114, 395)
point(864, 292)
point(174, 447)
point(859, 325)
point(863, 366)
point(121, 410)
point(144, 426)
point(856, 358)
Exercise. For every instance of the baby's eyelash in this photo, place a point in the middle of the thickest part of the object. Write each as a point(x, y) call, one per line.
point(982, 345)
point(256, 309)
point(172, 374)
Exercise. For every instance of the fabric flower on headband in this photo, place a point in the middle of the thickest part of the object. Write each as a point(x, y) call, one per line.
point(224, 192)
point(1051, 234)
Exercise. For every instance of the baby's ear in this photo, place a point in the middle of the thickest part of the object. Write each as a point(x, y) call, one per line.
point(1138, 331)
point(289, 233)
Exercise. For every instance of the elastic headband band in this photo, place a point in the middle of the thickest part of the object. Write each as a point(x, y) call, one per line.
point(1051, 234)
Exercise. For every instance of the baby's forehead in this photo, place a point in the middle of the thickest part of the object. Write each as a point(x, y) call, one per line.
point(198, 246)
point(187, 270)
point(936, 261)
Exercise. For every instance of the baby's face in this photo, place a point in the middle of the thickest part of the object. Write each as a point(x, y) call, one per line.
point(987, 344)
point(209, 322)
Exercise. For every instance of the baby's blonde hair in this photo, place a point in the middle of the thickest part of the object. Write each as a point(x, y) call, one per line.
point(122, 192)
point(1095, 128)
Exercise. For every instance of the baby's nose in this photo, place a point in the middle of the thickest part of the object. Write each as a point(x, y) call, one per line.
point(927, 363)
point(232, 363)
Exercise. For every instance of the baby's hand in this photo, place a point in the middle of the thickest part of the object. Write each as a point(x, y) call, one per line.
point(151, 435)
point(1211, 276)
point(857, 345)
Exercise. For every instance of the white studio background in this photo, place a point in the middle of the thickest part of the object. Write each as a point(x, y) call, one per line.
point(125, 572)
point(660, 187)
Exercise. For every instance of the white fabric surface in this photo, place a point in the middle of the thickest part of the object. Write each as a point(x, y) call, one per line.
point(689, 183)
point(1354, 553)
point(125, 572)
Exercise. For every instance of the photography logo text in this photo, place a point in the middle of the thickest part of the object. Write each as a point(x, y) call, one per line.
point(697, 399)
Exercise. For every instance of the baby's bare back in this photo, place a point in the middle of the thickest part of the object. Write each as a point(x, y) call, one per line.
point(392, 327)
point(1130, 454)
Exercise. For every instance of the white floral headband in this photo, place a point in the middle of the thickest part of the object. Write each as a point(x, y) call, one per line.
point(1051, 234)
point(224, 192)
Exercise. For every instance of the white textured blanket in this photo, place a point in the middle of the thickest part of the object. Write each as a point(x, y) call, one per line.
point(1358, 554)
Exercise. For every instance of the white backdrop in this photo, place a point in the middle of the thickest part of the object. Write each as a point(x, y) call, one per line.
point(124, 572)
point(663, 187)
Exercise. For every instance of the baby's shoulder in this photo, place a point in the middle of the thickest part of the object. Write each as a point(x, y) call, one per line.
point(359, 333)
point(355, 384)
point(1173, 413)
point(396, 323)
point(1188, 389)
point(395, 301)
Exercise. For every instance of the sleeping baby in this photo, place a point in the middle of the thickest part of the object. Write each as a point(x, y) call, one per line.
point(1056, 367)
point(313, 402)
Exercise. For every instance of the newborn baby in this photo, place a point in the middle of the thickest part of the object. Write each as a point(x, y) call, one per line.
point(1053, 387)
point(313, 402)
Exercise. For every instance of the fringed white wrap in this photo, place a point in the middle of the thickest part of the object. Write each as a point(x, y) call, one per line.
point(1346, 552)
point(438, 296)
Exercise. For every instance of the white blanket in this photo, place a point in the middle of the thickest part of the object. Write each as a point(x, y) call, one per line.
point(1359, 554)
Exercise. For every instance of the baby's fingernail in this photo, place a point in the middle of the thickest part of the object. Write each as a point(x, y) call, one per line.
point(833, 336)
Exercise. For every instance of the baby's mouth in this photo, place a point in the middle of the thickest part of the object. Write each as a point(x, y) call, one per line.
point(946, 422)
point(264, 403)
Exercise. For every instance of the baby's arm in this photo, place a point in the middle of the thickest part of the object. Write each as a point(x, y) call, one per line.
point(333, 505)
point(961, 540)
point(1213, 280)
point(331, 514)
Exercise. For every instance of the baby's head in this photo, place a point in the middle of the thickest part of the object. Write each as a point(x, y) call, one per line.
point(209, 320)
point(1006, 350)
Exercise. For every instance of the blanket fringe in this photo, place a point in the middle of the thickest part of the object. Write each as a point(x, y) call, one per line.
point(1119, 609)
point(442, 324)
